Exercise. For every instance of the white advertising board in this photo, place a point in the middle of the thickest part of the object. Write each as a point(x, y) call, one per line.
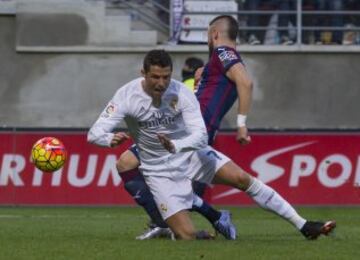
point(7, 6)
point(191, 23)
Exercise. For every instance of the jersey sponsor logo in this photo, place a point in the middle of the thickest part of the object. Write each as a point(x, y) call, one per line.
point(158, 114)
point(159, 119)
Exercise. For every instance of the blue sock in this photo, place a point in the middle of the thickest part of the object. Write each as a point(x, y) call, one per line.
point(138, 189)
point(199, 188)
point(205, 209)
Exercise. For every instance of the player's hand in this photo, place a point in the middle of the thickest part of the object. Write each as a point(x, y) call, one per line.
point(166, 142)
point(242, 136)
point(119, 138)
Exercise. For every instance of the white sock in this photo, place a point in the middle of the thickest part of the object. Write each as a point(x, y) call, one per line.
point(269, 199)
point(197, 202)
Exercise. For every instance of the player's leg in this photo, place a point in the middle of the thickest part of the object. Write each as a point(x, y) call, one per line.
point(202, 167)
point(174, 197)
point(220, 220)
point(199, 188)
point(181, 224)
point(135, 185)
point(201, 206)
point(210, 213)
point(232, 175)
point(267, 198)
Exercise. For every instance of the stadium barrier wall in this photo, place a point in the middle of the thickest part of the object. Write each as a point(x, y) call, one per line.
point(307, 168)
point(68, 86)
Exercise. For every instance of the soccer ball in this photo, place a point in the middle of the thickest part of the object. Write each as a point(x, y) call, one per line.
point(48, 154)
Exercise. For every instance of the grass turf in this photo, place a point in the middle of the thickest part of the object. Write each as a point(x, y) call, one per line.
point(108, 233)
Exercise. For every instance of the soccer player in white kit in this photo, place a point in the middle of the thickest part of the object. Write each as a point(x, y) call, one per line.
point(165, 122)
point(148, 109)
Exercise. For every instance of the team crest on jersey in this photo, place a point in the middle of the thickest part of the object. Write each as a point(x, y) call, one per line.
point(226, 56)
point(174, 102)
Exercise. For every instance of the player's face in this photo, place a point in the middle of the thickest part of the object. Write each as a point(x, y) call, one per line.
point(157, 80)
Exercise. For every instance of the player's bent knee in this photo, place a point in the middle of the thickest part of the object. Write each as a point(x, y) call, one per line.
point(180, 223)
point(231, 174)
point(127, 161)
point(241, 179)
point(184, 233)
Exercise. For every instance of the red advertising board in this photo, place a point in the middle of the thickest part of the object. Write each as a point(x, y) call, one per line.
point(306, 168)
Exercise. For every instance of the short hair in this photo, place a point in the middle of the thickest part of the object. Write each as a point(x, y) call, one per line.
point(232, 28)
point(194, 63)
point(157, 58)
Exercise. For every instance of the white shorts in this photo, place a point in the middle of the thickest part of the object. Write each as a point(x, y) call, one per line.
point(171, 194)
point(205, 163)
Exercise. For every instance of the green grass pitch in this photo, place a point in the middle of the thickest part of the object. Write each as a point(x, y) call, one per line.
point(108, 233)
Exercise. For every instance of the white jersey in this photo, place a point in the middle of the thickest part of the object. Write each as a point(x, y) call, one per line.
point(178, 117)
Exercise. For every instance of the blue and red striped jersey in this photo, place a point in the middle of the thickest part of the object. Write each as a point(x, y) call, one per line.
point(216, 92)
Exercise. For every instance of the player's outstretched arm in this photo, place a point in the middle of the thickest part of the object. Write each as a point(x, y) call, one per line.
point(238, 74)
point(102, 131)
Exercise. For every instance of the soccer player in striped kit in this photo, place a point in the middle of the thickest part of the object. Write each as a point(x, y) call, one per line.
point(223, 80)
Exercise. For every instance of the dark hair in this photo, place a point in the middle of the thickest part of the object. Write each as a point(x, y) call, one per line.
point(233, 26)
point(157, 58)
point(194, 63)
